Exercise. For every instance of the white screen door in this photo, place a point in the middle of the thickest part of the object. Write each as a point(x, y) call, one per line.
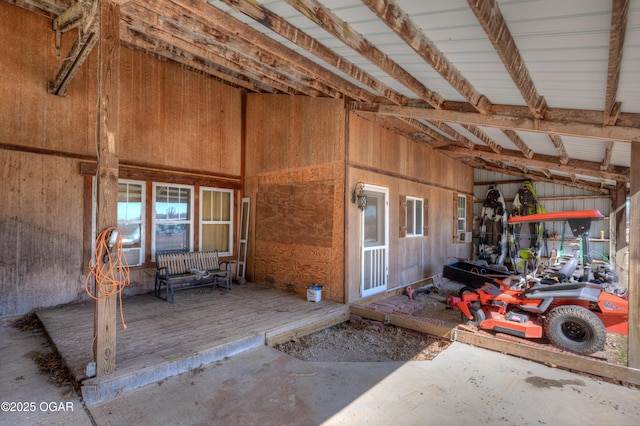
point(375, 236)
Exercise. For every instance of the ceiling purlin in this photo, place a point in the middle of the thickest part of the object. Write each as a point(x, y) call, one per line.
point(541, 161)
point(495, 26)
point(396, 19)
point(239, 31)
point(619, 15)
point(170, 32)
point(280, 26)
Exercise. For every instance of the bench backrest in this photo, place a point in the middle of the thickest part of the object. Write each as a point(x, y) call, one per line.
point(184, 263)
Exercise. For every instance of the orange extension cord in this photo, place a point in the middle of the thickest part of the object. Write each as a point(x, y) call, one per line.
point(111, 275)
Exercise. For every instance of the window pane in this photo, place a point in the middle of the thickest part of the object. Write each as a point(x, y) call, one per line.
point(215, 237)
point(129, 201)
point(172, 237)
point(418, 215)
point(411, 230)
point(173, 203)
point(131, 235)
point(207, 205)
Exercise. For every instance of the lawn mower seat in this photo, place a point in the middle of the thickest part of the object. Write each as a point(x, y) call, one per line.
point(562, 274)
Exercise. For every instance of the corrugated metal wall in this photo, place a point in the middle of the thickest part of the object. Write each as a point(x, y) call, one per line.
point(555, 198)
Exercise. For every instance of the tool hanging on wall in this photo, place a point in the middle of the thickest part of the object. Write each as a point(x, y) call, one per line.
point(108, 267)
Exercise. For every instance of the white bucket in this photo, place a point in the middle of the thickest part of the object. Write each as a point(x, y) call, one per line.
point(314, 293)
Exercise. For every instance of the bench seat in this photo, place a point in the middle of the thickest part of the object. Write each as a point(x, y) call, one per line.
point(185, 270)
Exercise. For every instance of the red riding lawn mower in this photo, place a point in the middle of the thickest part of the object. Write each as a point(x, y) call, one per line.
point(573, 312)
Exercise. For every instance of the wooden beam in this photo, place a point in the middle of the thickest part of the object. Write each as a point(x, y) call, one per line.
point(517, 141)
point(496, 28)
point(562, 151)
point(205, 49)
point(541, 161)
point(107, 176)
point(545, 356)
point(455, 135)
point(558, 180)
point(234, 29)
point(84, 17)
point(634, 259)
point(619, 17)
point(484, 138)
point(606, 162)
point(576, 129)
point(137, 40)
point(327, 20)
point(282, 27)
point(391, 14)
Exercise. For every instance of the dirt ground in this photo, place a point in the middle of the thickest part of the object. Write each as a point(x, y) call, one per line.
point(365, 340)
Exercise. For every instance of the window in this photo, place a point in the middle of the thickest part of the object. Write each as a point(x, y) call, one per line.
point(172, 217)
point(216, 225)
point(462, 213)
point(131, 215)
point(414, 216)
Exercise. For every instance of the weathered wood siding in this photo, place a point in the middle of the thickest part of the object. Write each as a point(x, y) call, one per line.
point(383, 158)
point(171, 119)
point(295, 150)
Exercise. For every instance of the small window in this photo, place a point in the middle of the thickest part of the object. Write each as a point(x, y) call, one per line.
point(462, 213)
point(414, 216)
point(131, 220)
point(172, 217)
point(216, 220)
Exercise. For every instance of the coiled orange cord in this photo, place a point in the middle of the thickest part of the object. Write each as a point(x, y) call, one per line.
point(111, 275)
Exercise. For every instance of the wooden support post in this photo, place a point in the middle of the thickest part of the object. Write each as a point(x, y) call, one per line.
point(634, 259)
point(107, 173)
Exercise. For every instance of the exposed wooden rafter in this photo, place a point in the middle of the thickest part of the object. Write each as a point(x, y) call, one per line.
point(283, 28)
point(83, 15)
point(495, 26)
point(392, 15)
point(559, 144)
point(607, 157)
point(619, 16)
point(517, 141)
point(484, 138)
point(347, 34)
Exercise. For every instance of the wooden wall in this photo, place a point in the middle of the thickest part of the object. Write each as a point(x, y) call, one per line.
point(379, 157)
point(177, 125)
point(295, 150)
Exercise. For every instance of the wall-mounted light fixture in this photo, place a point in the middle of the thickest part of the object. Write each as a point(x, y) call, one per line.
point(358, 197)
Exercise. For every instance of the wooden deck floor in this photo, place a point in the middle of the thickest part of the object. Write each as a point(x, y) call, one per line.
point(203, 326)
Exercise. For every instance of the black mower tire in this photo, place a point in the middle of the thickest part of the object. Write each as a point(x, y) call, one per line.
point(575, 329)
point(478, 316)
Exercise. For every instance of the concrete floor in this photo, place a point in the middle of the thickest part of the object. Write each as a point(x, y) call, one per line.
point(462, 385)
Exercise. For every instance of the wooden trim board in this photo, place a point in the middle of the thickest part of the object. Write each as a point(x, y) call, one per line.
point(564, 360)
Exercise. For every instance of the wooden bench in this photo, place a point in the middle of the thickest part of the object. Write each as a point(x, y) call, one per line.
point(186, 270)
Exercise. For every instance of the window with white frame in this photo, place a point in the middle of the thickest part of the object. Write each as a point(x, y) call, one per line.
point(415, 216)
point(216, 220)
point(462, 213)
point(131, 219)
point(172, 217)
